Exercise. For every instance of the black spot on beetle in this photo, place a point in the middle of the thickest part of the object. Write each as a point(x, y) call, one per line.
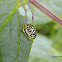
point(33, 34)
point(29, 31)
point(27, 25)
point(32, 27)
point(33, 30)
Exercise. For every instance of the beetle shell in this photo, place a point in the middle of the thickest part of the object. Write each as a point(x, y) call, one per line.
point(29, 30)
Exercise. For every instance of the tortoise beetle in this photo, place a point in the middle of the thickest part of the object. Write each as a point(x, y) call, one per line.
point(29, 30)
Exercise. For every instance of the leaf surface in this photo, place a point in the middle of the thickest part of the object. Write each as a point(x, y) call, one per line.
point(14, 46)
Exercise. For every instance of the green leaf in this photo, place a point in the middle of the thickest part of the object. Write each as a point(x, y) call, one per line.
point(14, 46)
point(6, 7)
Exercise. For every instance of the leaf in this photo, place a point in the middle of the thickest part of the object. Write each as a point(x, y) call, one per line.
point(6, 7)
point(14, 46)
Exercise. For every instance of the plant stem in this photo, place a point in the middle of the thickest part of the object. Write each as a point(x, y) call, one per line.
point(46, 11)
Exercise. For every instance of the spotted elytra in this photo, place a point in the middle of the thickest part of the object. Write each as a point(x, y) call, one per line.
point(29, 30)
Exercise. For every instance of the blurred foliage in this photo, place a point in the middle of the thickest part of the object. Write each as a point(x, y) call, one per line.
point(46, 29)
point(57, 40)
point(52, 32)
point(55, 6)
point(42, 50)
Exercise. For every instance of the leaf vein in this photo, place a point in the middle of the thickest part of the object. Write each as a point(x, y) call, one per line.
point(7, 19)
point(18, 38)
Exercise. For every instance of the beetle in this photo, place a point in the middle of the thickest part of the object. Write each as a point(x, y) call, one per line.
point(29, 30)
